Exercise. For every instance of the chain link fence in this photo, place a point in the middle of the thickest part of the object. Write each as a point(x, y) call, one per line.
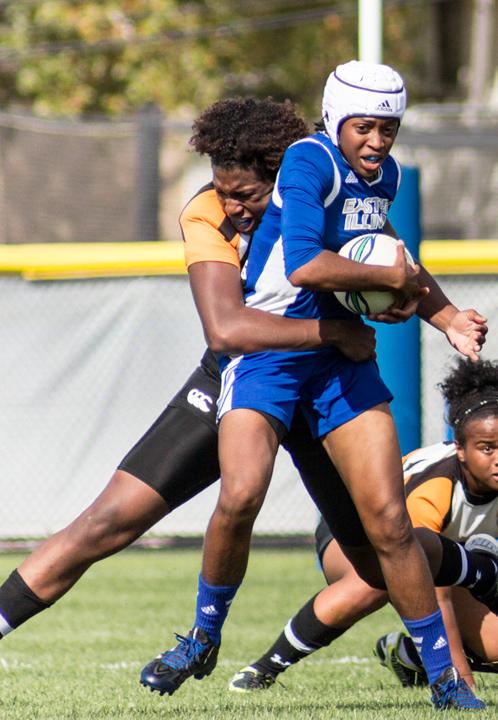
point(87, 365)
point(118, 181)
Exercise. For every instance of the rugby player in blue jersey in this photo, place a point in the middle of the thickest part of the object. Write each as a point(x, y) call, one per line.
point(331, 187)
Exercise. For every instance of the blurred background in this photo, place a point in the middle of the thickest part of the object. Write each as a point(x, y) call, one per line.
point(97, 101)
point(103, 95)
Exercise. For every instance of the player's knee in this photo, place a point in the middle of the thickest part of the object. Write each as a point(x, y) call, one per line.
point(240, 505)
point(390, 528)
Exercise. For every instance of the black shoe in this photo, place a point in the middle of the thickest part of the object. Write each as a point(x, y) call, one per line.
point(249, 679)
point(194, 655)
point(477, 664)
point(451, 691)
point(387, 650)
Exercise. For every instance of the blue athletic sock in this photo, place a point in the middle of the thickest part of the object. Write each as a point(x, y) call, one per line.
point(213, 603)
point(430, 639)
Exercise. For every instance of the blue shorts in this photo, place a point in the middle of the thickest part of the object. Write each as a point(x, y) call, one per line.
point(330, 388)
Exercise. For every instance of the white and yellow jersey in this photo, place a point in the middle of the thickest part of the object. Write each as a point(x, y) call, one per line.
point(437, 496)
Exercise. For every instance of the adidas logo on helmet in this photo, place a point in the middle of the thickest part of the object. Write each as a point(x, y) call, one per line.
point(361, 89)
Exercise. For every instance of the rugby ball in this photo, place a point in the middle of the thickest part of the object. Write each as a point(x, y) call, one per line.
point(372, 249)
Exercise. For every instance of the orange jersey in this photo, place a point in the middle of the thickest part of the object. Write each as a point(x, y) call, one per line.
point(208, 234)
point(437, 497)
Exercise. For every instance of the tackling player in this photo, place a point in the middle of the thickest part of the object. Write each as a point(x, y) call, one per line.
point(178, 456)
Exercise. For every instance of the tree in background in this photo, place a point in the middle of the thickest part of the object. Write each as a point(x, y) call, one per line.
point(72, 57)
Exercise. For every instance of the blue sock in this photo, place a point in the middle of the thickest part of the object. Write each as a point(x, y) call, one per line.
point(213, 603)
point(430, 639)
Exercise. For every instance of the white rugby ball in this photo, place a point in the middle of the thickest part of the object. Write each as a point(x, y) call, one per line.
point(372, 249)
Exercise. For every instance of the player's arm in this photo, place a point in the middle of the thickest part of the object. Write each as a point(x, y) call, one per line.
point(465, 330)
point(305, 183)
point(230, 326)
point(428, 504)
point(445, 602)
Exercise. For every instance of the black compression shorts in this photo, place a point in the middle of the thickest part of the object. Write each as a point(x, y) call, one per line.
point(178, 455)
point(323, 537)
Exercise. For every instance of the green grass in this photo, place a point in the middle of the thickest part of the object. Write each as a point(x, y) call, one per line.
point(81, 659)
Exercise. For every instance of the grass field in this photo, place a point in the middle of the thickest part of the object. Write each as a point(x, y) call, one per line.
point(81, 659)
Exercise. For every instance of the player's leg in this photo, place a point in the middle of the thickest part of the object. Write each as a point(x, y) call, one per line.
point(248, 444)
point(320, 621)
point(479, 630)
point(327, 615)
point(247, 448)
point(374, 479)
point(176, 458)
point(121, 513)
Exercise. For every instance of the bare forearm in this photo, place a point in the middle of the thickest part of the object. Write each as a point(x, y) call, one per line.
point(435, 308)
point(458, 656)
point(329, 271)
point(249, 330)
point(231, 327)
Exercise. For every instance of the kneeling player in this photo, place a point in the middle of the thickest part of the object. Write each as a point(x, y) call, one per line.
point(452, 494)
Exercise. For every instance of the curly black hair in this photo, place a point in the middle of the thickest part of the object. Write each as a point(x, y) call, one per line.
point(471, 391)
point(248, 133)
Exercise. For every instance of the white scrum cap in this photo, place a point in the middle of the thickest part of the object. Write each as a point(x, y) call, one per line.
point(361, 89)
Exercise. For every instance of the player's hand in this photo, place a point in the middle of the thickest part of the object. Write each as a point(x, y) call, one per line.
point(405, 275)
point(402, 309)
point(357, 340)
point(466, 332)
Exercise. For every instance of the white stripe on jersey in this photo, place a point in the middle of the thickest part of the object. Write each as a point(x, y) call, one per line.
point(243, 244)
point(425, 456)
point(273, 292)
point(275, 196)
point(400, 172)
point(336, 186)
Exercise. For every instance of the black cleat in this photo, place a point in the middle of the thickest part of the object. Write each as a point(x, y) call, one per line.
point(250, 679)
point(194, 655)
point(477, 664)
point(410, 674)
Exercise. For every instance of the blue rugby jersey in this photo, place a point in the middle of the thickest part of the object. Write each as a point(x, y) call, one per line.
point(318, 203)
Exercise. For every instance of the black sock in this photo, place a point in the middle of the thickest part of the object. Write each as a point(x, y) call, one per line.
point(17, 603)
point(471, 570)
point(303, 634)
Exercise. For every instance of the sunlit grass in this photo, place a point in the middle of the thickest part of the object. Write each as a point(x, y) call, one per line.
point(81, 659)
